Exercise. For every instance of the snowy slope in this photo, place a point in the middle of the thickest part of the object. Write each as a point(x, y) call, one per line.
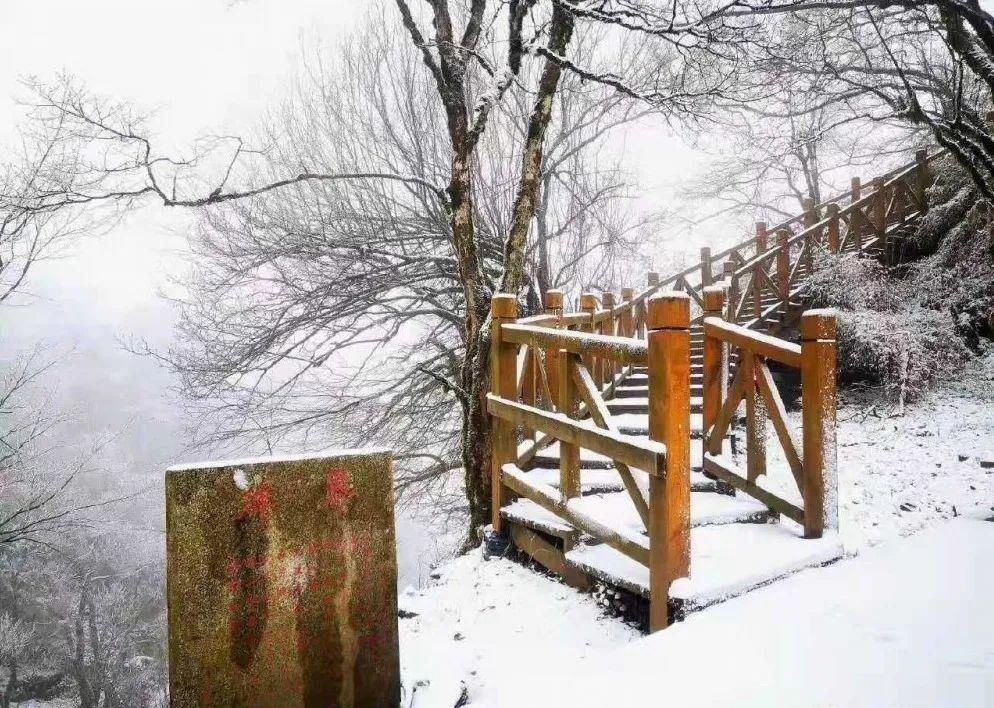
point(909, 623)
point(483, 621)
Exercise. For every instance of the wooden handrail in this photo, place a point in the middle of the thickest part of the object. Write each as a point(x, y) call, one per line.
point(813, 467)
point(645, 455)
point(570, 362)
point(749, 339)
point(621, 349)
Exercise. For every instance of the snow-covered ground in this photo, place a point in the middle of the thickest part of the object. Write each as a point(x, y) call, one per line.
point(482, 619)
point(482, 627)
point(906, 624)
point(899, 474)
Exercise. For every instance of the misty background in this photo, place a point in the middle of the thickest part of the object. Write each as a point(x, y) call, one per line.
point(203, 67)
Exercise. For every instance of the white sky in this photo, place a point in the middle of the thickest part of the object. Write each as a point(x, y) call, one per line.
point(204, 66)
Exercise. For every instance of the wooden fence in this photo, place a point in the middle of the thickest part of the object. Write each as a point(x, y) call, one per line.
point(812, 464)
point(575, 366)
point(551, 373)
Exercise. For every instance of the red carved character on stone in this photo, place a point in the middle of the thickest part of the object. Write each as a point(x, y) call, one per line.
point(338, 489)
point(256, 503)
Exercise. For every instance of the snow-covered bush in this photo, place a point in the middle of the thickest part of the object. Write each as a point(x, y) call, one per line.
point(886, 336)
point(853, 284)
point(906, 326)
point(904, 350)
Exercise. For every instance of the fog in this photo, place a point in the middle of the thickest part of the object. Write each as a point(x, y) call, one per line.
point(210, 67)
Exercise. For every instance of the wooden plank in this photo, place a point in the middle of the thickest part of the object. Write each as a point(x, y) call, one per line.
point(763, 344)
point(621, 349)
point(602, 417)
point(635, 547)
point(548, 556)
point(778, 415)
point(635, 452)
point(724, 418)
point(722, 468)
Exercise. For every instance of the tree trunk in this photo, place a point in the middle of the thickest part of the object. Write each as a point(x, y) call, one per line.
point(525, 201)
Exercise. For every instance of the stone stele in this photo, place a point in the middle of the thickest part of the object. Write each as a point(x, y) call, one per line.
point(282, 583)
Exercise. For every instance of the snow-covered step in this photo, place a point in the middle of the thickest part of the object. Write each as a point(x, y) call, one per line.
point(528, 513)
point(725, 561)
point(641, 405)
point(627, 390)
point(548, 458)
point(638, 423)
point(617, 511)
point(609, 480)
point(634, 380)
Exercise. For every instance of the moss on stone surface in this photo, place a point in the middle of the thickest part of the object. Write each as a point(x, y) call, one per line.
point(282, 583)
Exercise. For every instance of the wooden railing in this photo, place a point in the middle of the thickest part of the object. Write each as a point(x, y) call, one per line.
point(552, 371)
point(772, 261)
point(812, 464)
point(571, 365)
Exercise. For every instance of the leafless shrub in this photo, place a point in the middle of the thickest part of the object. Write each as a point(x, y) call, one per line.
point(851, 284)
point(905, 350)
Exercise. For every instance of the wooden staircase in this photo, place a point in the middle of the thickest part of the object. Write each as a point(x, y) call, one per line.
point(583, 383)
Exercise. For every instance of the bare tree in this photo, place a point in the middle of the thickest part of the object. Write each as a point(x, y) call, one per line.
point(926, 65)
point(473, 54)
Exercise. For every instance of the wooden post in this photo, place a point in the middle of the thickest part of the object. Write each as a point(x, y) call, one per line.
point(734, 292)
point(755, 418)
point(879, 205)
point(529, 388)
point(757, 285)
point(652, 278)
point(569, 405)
point(589, 305)
point(553, 301)
point(810, 219)
point(608, 368)
point(833, 228)
point(503, 383)
point(783, 264)
point(713, 370)
point(628, 316)
point(706, 276)
point(921, 180)
point(668, 324)
point(818, 332)
point(855, 227)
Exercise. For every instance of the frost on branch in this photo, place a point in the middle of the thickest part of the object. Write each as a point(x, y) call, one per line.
point(886, 336)
point(907, 326)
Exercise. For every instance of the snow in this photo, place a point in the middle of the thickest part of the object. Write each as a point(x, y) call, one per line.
point(483, 621)
point(905, 624)
point(269, 459)
point(899, 474)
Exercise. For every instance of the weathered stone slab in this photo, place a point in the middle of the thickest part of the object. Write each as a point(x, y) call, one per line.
point(282, 583)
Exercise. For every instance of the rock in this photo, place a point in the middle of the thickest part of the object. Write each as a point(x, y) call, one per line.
point(267, 561)
point(987, 462)
point(907, 506)
point(962, 457)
